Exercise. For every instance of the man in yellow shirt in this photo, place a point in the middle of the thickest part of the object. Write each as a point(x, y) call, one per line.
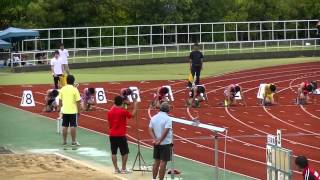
point(70, 101)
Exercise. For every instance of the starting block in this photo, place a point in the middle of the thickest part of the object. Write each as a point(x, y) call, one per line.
point(261, 91)
point(135, 96)
point(317, 91)
point(27, 99)
point(100, 96)
point(170, 93)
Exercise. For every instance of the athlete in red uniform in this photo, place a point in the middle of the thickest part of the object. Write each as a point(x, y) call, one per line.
point(230, 94)
point(124, 93)
point(304, 89)
point(162, 95)
point(308, 173)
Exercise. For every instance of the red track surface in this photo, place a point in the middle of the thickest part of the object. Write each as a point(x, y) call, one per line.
point(245, 155)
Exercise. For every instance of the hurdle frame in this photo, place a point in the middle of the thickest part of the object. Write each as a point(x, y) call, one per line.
point(214, 129)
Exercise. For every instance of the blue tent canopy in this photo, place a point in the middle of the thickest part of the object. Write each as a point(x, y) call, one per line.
point(4, 45)
point(17, 34)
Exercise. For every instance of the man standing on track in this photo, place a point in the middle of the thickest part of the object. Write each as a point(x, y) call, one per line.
point(196, 64)
point(160, 129)
point(56, 68)
point(70, 101)
point(117, 118)
point(64, 54)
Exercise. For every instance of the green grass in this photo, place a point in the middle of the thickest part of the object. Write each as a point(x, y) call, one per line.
point(145, 72)
point(23, 131)
point(145, 55)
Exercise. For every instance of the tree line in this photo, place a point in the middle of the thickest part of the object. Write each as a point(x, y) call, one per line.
point(75, 13)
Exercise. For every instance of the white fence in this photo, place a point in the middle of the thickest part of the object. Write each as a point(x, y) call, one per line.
point(88, 44)
point(81, 55)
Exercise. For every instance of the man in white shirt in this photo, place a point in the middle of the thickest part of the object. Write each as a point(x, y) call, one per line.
point(56, 68)
point(160, 129)
point(64, 54)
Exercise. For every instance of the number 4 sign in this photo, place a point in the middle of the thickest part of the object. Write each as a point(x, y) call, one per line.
point(27, 99)
point(100, 96)
point(135, 96)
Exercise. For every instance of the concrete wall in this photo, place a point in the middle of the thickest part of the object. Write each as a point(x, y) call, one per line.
point(242, 56)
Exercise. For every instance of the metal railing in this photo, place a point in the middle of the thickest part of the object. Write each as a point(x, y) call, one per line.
point(163, 40)
point(81, 55)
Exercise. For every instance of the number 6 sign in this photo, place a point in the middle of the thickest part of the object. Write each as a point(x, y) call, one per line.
point(135, 96)
point(100, 96)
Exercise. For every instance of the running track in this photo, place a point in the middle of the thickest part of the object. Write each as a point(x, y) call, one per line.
point(244, 154)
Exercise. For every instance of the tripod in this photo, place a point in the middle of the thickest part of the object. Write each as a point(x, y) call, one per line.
point(139, 158)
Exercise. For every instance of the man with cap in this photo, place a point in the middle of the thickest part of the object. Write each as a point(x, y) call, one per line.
point(160, 129)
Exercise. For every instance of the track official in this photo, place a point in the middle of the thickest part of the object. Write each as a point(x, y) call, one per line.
point(196, 64)
point(160, 129)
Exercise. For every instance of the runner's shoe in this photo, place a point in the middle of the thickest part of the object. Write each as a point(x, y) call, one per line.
point(75, 143)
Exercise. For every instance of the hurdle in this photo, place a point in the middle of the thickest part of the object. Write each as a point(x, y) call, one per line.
point(214, 129)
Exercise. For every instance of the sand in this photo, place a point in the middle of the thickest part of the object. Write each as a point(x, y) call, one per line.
point(48, 167)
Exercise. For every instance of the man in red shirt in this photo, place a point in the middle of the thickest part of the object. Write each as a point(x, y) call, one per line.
point(117, 118)
point(308, 173)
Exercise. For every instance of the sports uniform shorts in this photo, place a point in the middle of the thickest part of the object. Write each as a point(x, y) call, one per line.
point(119, 142)
point(69, 120)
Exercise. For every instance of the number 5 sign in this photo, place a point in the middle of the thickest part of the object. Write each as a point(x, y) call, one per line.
point(135, 96)
point(100, 96)
point(27, 99)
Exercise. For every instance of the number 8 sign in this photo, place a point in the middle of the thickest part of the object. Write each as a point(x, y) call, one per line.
point(135, 96)
point(100, 96)
point(27, 99)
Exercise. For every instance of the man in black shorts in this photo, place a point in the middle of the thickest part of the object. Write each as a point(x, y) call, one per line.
point(160, 129)
point(70, 107)
point(117, 118)
point(196, 61)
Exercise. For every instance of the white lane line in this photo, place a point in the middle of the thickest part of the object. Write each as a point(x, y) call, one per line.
point(312, 115)
point(263, 132)
point(266, 125)
point(297, 127)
